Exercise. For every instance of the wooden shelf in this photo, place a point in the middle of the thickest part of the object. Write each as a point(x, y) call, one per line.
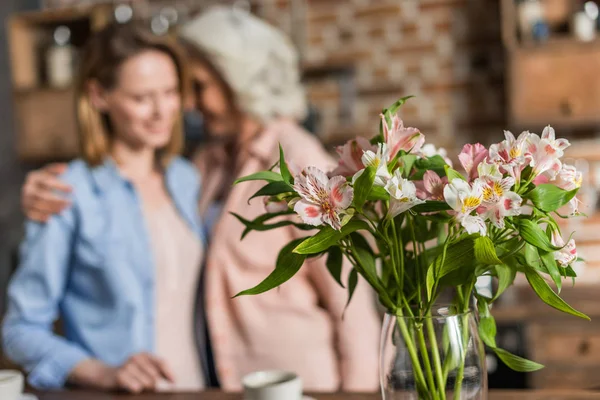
point(558, 43)
point(45, 116)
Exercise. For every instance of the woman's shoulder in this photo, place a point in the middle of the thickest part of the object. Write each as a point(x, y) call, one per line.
point(302, 147)
point(183, 171)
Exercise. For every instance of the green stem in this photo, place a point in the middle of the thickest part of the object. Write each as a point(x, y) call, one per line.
point(465, 337)
point(436, 357)
point(410, 346)
point(425, 355)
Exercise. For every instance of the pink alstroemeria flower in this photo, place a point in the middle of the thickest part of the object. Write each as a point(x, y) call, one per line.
point(510, 154)
point(470, 157)
point(568, 253)
point(323, 200)
point(568, 178)
point(400, 138)
point(545, 152)
point(350, 154)
point(431, 187)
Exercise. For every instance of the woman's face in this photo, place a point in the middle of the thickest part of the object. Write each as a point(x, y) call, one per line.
point(211, 100)
point(146, 102)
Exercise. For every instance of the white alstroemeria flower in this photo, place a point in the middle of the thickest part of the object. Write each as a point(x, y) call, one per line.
point(510, 154)
point(403, 194)
point(568, 253)
point(473, 224)
point(498, 201)
point(544, 153)
point(323, 200)
point(568, 178)
point(462, 196)
point(465, 198)
point(379, 161)
point(508, 205)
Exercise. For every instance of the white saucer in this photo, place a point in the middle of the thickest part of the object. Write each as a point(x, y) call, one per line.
point(28, 396)
point(303, 398)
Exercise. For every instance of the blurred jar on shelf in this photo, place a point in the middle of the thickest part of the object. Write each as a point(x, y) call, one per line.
point(60, 59)
point(585, 21)
point(532, 22)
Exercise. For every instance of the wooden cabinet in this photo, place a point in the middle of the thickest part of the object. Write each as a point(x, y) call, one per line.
point(567, 346)
point(570, 351)
point(46, 124)
point(555, 81)
point(558, 87)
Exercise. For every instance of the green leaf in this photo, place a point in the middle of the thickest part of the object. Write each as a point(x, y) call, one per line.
point(328, 236)
point(393, 109)
point(533, 234)
point(285, 172)
point(544, 292)
point(272, 189)
point(453, 174)
point(287, 265)
point(258, 225)
point(506, 276)
point(431, 206)
point(552, 268)
point(548, 197)
point(368, 270)
point(408, 161)
point(268, 176)
point(487, 323)
point(378, 193)
point(362, 187)
point(485, 252)
point(569, 272)
point(334, 264)
point(458, 255)
point(352, 282)
point(517, 363)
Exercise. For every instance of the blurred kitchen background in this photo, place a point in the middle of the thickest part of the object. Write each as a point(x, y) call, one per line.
point(476, 67)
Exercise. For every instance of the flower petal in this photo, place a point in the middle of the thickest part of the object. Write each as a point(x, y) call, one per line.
point(310, 213)
point(340, 193)
point(473, 224)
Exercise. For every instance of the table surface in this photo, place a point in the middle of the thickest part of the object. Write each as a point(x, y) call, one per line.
point(494, 395)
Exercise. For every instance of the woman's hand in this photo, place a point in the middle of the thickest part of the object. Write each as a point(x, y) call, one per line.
point(141, 372)
point(39, 198)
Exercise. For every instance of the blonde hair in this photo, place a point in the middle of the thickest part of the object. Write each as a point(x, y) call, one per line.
point(103, 56)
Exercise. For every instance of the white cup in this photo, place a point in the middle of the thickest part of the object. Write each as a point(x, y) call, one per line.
point(272, 385)
point(11, 385)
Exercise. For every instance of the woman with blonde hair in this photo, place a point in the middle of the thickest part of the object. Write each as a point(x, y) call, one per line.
point(247, 86)
point(124, 288)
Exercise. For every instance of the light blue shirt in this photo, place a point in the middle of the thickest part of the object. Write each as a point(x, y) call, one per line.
point(91, 265)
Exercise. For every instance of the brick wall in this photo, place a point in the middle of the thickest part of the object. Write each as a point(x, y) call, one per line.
point(447, 53)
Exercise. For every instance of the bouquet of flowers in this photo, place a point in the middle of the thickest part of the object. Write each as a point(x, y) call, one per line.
point(412, 226)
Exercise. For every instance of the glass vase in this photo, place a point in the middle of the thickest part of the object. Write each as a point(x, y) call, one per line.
point(436, 357)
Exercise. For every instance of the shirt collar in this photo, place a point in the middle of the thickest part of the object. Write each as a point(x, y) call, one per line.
point(107, 174)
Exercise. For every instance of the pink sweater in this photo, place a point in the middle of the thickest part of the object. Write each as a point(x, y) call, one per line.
point(296, 327)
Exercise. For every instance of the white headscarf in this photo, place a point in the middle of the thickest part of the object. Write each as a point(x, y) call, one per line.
point(258, 61)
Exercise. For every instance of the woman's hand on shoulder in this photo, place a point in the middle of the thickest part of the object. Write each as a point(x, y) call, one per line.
point(39, 198)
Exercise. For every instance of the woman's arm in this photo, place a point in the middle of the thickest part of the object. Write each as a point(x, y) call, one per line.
point(34, 294)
